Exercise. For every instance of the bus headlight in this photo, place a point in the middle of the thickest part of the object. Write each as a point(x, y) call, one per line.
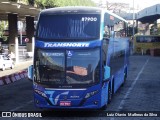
point(88, 95)
point(40, 93)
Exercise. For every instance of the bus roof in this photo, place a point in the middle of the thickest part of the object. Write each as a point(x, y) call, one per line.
point(71, 10)
point(78, 10)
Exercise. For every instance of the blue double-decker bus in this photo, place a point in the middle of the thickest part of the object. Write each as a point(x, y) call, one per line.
point(80, 58)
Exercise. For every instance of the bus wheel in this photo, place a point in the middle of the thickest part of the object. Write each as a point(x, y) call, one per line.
point(109, 94)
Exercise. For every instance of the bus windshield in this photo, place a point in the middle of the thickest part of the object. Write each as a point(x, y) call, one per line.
point(68, 26)
point(81, 67)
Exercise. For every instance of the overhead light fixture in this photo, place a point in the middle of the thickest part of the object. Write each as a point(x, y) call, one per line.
point(32, 8)
point(5, 2)
point(8, 12)
point(15, 4)
point(18, 5)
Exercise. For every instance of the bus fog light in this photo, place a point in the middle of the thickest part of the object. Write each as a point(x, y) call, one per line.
point(37, 102)
point(96, 102)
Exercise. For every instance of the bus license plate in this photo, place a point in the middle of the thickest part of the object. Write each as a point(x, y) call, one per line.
point(65, 103)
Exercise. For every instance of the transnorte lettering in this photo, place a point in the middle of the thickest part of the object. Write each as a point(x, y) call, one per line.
point(66, 45)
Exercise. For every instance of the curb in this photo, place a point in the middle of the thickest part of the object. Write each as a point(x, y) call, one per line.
point(5, 80)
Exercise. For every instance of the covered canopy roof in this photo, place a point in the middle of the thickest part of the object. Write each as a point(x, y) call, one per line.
point(149, 15)
point(21, 10)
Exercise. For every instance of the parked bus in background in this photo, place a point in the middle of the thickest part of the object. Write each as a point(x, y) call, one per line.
point(144, 44)
point(80, 59)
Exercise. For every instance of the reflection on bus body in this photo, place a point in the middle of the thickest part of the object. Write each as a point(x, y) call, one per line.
point(77, 74)
point(78, 70)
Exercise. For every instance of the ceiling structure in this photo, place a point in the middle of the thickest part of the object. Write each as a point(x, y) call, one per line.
point(8, 7)
point(149, 14)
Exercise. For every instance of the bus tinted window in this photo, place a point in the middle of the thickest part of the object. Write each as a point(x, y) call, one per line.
point(77, 26)
point(81, 67)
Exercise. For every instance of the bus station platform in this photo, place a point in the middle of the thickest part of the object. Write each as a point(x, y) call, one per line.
point(17, 73)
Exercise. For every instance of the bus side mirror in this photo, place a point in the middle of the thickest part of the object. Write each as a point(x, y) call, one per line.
point(30, 72)
point(107, 71)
